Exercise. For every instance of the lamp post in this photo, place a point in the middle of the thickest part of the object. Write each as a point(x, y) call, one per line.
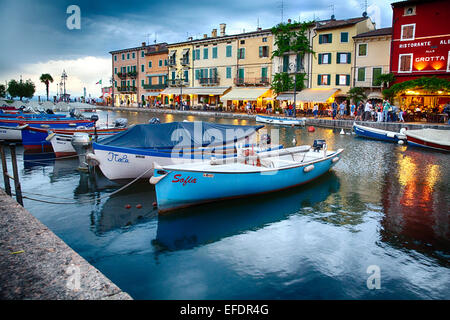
point(63, 80)
point(294, 66)
point(179, 78)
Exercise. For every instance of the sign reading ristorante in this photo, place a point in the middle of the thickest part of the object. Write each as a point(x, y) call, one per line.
point(422, 56)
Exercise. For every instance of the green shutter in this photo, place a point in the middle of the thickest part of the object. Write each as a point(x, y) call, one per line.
point(338, 57)
point(320, 58)
point(329, 58)
point(320, 38)
point(331, 38)
point(241, 73)
point(349, 58)
point(337, 80)
point(328, 79)
point(205, 53)
point(229, 51)
point(228, 72)
point(260, 52)
point(264, 73)
point(318, 80)
point(214, 52)
point(347, 80)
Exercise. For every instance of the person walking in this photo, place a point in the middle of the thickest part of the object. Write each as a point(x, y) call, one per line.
point(386, 106)
point(367, 109)
point(352, 110)
point(315, 110)
point(447, 111)
point(334, 107)
point(342, 107)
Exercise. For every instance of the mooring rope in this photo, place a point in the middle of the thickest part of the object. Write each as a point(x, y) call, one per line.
point(87, 200)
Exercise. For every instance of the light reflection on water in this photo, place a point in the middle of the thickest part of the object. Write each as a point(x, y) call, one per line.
point(382, 204)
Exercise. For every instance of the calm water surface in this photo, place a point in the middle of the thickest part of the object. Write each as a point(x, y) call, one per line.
point(382, 204)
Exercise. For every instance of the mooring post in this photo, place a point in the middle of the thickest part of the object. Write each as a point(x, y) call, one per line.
point(19, 199)
point(5, 169)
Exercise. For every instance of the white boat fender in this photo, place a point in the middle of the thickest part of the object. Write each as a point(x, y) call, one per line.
point(325, 148)
point(391, 134)
point(400, 142)
point(155, 180)
point(342, 131)
point(308, 168)
point(334, 160)
point(403, 131)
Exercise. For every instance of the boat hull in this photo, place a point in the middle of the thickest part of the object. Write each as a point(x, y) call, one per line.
point(419, 142)
point(377, 134)
point(121, 164)
point(10, 133)
point(280, 121)
point(182, 188)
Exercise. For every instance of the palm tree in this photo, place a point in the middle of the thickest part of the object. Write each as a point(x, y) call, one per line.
point(46, 78)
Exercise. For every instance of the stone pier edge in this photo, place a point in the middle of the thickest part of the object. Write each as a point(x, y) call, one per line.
point(35, 264)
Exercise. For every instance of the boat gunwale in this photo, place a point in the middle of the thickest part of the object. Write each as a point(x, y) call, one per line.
point(297, 165)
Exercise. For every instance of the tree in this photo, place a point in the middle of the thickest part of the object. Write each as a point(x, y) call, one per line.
point(21, 89)
point(46, 79)
point(356, 94)
point(385, 79)
point(2, 91)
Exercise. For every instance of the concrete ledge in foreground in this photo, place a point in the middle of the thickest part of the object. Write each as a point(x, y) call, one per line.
point(37, 265)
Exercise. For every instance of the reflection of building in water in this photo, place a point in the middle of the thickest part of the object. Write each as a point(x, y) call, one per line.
point(416, 203)
point(209, 223)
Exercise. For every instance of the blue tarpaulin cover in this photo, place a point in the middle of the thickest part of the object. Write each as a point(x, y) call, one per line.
point(179, 134)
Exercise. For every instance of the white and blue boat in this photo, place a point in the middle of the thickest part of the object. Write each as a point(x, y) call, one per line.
point(189, 184)
point(281, 120)
point(131, 154)
point(378, 134)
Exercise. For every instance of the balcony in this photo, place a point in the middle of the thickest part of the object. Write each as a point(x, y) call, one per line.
point(184, 61)
point(209, 81)
point(171, 62)
point(265, 81)
point(122, 75)
point(154, 86)
point(126, 89)
point(132, 74)
point(176, 83)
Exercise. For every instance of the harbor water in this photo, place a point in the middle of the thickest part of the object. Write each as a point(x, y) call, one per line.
point(383, 213)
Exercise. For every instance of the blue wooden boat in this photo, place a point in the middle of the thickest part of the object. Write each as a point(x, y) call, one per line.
point(131, 154)
point(378, 134)
point(188, 184)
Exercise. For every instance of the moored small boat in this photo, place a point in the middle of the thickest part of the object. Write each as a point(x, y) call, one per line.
point(281, 121)
point(377, 134)
point(429, 138)
point(131, 154)
point(188, 184)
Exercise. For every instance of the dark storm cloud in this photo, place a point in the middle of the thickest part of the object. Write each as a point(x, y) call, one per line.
point(35, 31)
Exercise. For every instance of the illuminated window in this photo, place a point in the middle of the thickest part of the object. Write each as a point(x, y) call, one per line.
point(408, 32)
point(448, 62)
point(405, 62)
point(410, 11)
point(342, 79)
point(323, 79)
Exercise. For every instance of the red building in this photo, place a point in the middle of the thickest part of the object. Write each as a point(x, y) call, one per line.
point(420, 39)
point(421, 47)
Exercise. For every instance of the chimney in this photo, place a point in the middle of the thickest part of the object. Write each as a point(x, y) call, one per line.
point(333, 17)
point(214, 33)
point(258, 29)
point(190, 39)
point(289, 20)
point(222, 29)
point(143, 44)
point(205, 36)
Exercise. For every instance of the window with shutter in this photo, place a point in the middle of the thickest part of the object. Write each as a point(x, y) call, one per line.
point(362, 49)
point(376, 72)
point(361, 74)
point(408, 31)
point(405, 62)
point(344, 36)
point(228, 72)
point(229, 51)
point(214, 52)
point(205, 53)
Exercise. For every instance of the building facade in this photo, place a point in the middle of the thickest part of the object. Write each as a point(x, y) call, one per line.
point(130, 73)
point(421, 47)
point(372, 58)
point(334, 48)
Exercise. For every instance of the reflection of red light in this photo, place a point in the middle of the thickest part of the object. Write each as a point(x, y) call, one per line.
point(420, 65)
point(437, 65)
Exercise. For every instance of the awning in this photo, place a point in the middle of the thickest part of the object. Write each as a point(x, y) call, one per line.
point(315, 95)
point(285, 96)
point(172, 53)
point(198, 91)
point(245, 94)
point(151, 94)
point(375, 95)
point(185, 51)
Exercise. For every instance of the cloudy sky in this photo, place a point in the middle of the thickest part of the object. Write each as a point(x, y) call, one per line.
point(35, 38)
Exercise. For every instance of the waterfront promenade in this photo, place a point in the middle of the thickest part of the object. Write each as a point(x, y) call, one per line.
point(35, 264)
point(326, 122)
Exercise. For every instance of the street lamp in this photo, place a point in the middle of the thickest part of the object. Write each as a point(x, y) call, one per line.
point(179, 79)
point(293, 65)
point(63, 79)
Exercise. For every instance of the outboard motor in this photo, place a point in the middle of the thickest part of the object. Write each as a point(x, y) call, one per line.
point(49, 111)
point(319, 145)
point(154, 121)
point(81, 142)
point(121, 123)
point(94, 117)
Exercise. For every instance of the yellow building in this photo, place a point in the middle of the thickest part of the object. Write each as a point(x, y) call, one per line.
point(205, 70)
point(372, 58)
point(334, 48)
